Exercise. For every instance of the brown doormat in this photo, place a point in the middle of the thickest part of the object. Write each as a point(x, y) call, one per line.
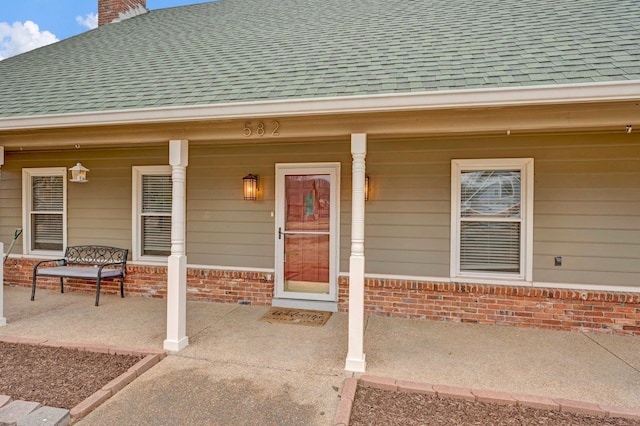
point(296, 316)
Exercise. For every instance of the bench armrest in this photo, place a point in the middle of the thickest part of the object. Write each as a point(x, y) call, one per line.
point(122, 264)
point(59, 262)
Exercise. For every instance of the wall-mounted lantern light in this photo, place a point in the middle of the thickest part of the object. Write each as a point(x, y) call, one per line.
point(367, 187)
point(1, 159)
point(250, 187)
point(78, 173)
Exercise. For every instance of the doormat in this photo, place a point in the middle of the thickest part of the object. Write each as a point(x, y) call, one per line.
point(296, 316)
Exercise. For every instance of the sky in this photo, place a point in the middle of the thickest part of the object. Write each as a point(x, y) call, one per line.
point(28, 24)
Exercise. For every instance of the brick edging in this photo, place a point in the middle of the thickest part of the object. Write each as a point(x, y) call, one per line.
point(151, 358)
point(343, 412)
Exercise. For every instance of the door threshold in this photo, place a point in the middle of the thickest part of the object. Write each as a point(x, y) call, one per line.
point(314, 305)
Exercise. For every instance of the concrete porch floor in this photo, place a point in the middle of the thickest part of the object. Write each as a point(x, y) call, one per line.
point(239, 370)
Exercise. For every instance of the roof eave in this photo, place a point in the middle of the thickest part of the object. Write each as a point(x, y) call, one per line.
point(470, 98)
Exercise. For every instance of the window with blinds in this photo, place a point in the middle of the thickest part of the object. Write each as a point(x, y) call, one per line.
point(489, 223)
point(45, 195)
point(155, 215)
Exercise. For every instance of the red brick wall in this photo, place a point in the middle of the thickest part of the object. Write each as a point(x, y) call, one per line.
point(571, 310)
point(108, 10)
point(252, 288)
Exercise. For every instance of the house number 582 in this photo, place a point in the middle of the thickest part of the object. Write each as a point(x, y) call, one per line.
point(260, 129)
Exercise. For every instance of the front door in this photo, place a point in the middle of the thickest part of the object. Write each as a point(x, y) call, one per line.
point(307, 209)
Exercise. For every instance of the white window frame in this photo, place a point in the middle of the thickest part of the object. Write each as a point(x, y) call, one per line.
point(136, 244)
point(27, 174)
point(525, 165)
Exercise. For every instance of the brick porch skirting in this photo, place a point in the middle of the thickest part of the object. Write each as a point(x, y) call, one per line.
point(249, 288)
point(547, 308)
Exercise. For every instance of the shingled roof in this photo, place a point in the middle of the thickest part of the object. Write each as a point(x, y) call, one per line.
point(233, 51)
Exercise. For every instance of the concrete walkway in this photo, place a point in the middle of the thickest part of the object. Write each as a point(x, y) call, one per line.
point(242, 371)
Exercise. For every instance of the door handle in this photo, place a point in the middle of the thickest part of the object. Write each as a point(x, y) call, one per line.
point(279, 233)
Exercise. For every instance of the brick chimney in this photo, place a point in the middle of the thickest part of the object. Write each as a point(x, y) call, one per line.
point(117, 10)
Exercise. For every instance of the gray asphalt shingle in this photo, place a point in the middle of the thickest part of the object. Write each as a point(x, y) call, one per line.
point(252, 50)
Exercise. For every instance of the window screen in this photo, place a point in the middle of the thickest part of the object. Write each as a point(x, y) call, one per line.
point(490, 221)
point(156, 215)
point(47, 212)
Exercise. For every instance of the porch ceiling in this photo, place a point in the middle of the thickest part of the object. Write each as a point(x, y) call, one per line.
point(573, 118)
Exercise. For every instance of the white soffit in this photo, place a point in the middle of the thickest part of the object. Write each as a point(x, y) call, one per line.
point(473, 98)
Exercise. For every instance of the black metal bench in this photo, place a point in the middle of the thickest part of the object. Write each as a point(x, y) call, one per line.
point(85, 262)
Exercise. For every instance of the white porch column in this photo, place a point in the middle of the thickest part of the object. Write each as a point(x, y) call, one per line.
point(355, 356)
point(3, 320)
point(177, 265)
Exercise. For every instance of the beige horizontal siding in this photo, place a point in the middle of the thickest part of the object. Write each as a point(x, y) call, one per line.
point(602, 195)
point(233, 238)
point(418, 219)
point(583, 265)
point(200, 212)
point(99, 211)
point(232, 249)
point(86, 237)
point(587, 222)
point(407, 255)
point(91, 227)
point(588, 212)
point(225, 260)
point(205, 227)
point(586, 209)
point(580, 235)
point(591, 249)
point(405, 231)
point(582, 276)
point(599, 181)
point(222, 228)
point(10, 204)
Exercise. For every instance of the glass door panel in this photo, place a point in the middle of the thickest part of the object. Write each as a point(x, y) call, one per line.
point(306, 265)
point(308, 202)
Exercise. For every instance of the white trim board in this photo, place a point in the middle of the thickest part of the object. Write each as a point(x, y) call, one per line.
point(315, 305)
point(445, 280)
point(468, 98)
point(232, 268)
point(160, 263)
point(532, 284)
point(206, 267)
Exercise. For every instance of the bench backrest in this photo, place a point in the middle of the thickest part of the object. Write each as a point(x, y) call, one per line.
point(95, 255)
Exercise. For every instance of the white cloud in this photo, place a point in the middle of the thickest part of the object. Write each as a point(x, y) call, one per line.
point(90, 20)
point(22, 37)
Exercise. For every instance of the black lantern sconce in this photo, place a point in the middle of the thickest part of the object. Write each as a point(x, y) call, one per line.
point(250, 187)
point(367, 187)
